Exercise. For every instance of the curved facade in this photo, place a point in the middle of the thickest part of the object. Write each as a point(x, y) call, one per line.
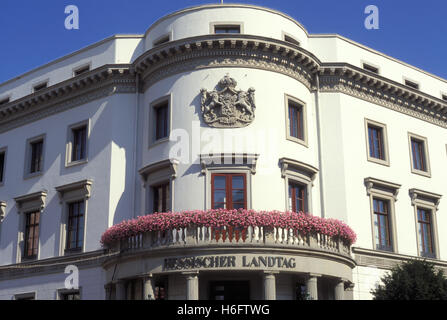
point(210, 109)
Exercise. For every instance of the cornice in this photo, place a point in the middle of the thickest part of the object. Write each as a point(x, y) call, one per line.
point(101, 82)
point(376, 89)
point(214, 51)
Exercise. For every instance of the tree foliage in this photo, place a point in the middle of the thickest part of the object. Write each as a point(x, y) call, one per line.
point(413, 280)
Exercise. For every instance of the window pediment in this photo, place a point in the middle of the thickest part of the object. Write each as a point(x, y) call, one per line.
point(31, 202)
point(225, 160)
point(381, 186)
point(165, 169)
point(290, 167)
point(75, 191)
point(424, 197)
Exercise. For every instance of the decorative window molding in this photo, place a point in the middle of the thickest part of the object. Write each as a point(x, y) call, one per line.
point(426, 201)
point(289, 102)
point(69, 162)
point(70, 193)
point(425, 156)
point(293, 171)
point(225, 160)
point(2, 210)
point(157, 174)
point(228, 163)
point(31, 202)
point(28, 157)
point(381, 190)
point(230, 26)
point(153, 125)
point(385, 158)
point(382, 187)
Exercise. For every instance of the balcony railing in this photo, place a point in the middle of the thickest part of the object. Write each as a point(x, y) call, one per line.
point(231, 236)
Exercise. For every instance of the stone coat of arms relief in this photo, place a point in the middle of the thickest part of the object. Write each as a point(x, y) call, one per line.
point(228, 107)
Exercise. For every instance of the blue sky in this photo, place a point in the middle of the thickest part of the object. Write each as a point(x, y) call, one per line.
point(32, 32)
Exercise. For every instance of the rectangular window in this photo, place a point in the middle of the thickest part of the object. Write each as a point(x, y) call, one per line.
point(425, 233)
point(75, 226)
point(296, 129)
point(2, 165)
point(297, 197)
point(370, 68)
point(31, 235)
point(412, 84)
point(73, 295)
point(161, 121)
point(40, 87)
point(36, 159)
point(382, 228)
point(444, 97)
point(4, 101)
point(79, 144)
point(81, 70)
point(227, 29)
point(376, 142)
point(162, 40)
point(161, 198)
point(291, 40)
point(229, 191)
point(418, 155)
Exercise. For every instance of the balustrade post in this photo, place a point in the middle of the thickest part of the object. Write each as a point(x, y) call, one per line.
point(191, 235)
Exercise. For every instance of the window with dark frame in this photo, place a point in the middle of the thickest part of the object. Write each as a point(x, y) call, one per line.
point(229, 191)
point(444, 97)
point(79, 143)
point(161, 120)
point(296, 123)
point(412, 84)
point(36, 156)
point(161, 198)
point(75, 226)
point(160, 41)
point(219, 29)
point(31, 241)
point(40, 87)
point(4, 101)
point(81, 70)
point(291, 40)
point(418, 154)
point(382, 228)
point(73, 295)
point(376, 142)
point(297, 197)
point(370, 68)
point(2, 165)
point(425, 233)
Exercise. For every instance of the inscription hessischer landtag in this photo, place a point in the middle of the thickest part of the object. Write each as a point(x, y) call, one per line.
point(219, 262)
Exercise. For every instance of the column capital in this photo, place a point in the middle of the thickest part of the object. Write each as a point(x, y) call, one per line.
point(313, 275)
point(188, 274)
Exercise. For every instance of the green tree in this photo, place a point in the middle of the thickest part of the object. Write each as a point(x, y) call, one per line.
point(413, 280)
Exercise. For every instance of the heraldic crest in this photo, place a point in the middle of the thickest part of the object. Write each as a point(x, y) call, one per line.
point(228, 107)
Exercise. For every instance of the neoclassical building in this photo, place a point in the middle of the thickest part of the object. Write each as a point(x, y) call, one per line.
point(211, 109)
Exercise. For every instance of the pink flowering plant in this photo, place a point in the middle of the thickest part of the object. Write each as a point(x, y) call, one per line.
point(238, 219)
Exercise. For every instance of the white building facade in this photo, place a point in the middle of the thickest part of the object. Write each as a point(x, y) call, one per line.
point(210, 109)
